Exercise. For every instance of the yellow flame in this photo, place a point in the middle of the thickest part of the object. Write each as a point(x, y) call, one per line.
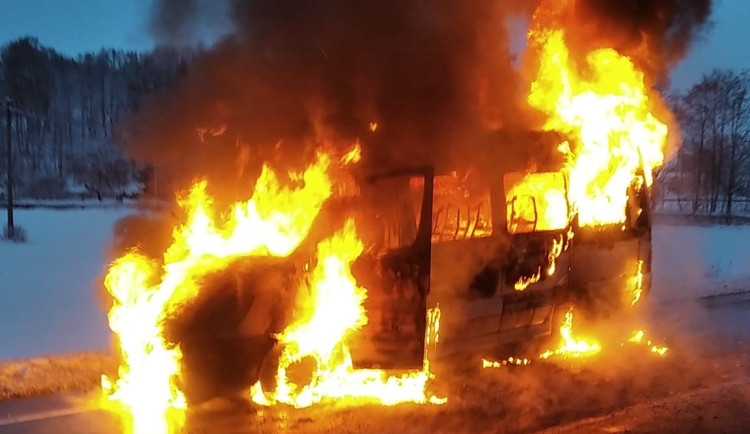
point(536, 202)
point(335, 301)
point(571, 347)
point(330, 306)
point(433, 325)
point(524, 282)
point(558, 246)
point(510, 361)
point(638, 284)
point(258, 396)
point(606, 110)
point(432, 337)
point(638, 338)
point(145, 386)
point(373, 126)
point(353, 156)
point(272, 223)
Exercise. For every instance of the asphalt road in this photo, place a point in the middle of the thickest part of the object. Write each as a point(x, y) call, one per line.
point(703, 385)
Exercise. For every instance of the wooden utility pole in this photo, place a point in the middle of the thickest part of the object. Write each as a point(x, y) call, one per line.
point(9, 183)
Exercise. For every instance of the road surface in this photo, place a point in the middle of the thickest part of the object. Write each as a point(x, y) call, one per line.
point(701, 385)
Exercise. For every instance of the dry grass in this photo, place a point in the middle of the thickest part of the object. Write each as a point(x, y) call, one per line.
point(45, 375)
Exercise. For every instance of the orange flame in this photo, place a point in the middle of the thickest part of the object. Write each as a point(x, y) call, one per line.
point(575, 348)
point(571, 347)
point(334, 303)
point(272, 223)
point(145, 387)
point(606, 110)
point(510, 361)
point(524, 282)
point(637, 338)
point(536, 202)
point(353, 156)
point(637, 284)
point(558, 246)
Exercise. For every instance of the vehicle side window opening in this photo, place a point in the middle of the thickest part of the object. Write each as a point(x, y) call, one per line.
point(461, 208)
point(395, 211)
point(536, 202)
point(522, 214)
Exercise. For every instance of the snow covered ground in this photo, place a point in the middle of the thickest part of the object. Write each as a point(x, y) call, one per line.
point(72, 203)
point(696, 261)
point(48, 304)
point(47, 301)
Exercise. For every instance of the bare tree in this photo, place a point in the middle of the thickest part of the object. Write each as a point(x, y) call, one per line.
point(714, 118)
point(74, 106)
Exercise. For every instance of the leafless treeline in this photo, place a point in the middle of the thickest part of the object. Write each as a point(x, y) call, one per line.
point(711, 172)
point(65, 129)
point(71, 107)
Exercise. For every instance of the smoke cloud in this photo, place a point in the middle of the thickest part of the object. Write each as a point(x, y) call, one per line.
point(435, 75)
point(655, 34)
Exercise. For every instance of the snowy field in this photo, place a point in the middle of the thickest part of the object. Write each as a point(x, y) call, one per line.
point(47, 301)
point(697, 261)
point(48, 304)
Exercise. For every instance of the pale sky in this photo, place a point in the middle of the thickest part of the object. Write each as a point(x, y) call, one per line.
point(727, 46)
point(76, 26)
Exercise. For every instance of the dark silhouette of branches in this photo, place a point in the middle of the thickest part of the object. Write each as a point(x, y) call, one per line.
point(711, 172)
point(71, 107)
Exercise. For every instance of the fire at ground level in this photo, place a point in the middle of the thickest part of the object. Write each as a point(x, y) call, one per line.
point(702, 385)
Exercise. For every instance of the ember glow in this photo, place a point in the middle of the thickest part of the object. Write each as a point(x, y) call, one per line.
point(604, 106)
point(461, 207)
point(510, 361)
point(576, 348)
point(353, 156)
point(637, 284)
point(638, 338)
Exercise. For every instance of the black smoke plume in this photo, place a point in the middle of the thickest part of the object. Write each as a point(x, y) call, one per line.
point(656, 34)
point(435, 75)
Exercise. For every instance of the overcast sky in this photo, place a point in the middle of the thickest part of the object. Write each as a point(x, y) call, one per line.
point(76, 26)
